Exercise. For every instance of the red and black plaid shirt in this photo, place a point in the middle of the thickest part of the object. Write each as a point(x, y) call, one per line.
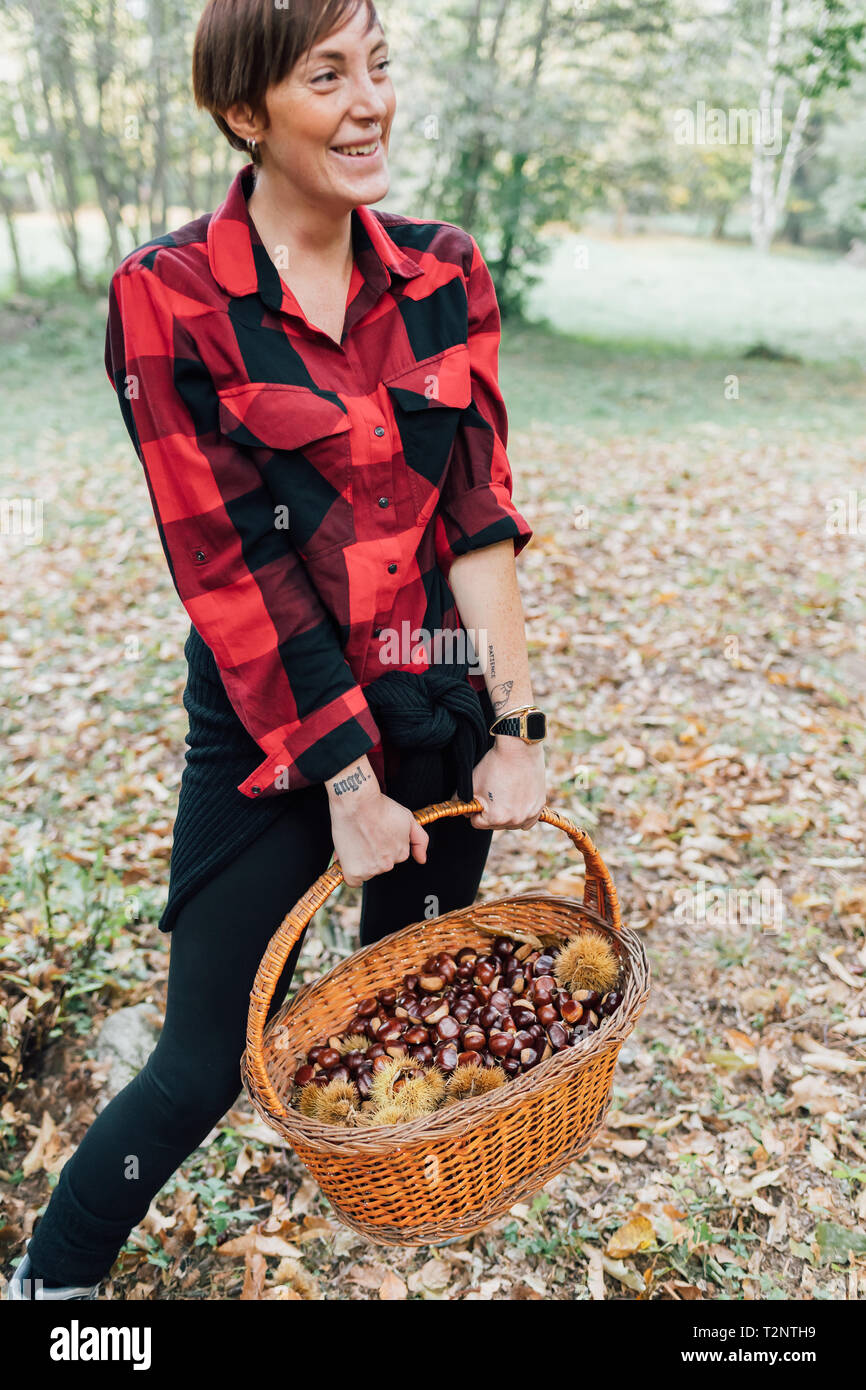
point(311, 496)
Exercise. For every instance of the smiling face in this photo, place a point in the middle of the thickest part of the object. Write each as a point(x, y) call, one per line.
point(327, 124)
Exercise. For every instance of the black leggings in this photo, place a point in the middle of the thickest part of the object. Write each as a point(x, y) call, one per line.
point(192, 1077)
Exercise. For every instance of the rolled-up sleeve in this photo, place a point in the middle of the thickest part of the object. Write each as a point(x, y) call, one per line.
point(237, 574)
point(475, 507)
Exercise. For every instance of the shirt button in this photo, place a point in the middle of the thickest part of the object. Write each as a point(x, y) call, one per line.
point(256, 791)
point(377, 632)
point(379, 430)
point(392, 569)
point(383, 501)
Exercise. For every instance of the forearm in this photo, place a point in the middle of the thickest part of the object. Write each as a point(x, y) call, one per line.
point(484, 584)
point(353, 784)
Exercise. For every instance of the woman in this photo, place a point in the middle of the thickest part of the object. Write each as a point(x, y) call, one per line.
point(311, 388)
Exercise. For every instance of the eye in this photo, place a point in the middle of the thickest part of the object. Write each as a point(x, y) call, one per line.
point(385, 63)
point(325, 75)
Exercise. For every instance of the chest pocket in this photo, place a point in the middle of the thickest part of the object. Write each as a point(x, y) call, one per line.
point(302, 440)
point(428, 398)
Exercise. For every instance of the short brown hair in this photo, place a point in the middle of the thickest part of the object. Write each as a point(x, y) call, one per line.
point(242, 47)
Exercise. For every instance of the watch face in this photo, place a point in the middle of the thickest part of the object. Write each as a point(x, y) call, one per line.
point(536, 724)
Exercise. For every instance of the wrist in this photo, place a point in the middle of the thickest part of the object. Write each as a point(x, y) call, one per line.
point(353, 784)
point(513, 747)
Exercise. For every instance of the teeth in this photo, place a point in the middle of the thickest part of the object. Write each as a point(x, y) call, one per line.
point(356, 149)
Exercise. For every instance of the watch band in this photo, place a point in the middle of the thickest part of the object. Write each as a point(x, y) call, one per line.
point(516, 723)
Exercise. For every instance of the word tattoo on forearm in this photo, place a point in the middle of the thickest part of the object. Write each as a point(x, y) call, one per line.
point(350, 783)
point(500, 693)
point(491, 660)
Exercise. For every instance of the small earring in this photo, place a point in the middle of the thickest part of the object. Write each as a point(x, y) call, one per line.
point(251, 146)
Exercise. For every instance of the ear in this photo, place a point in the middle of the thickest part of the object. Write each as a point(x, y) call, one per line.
point(241, 119)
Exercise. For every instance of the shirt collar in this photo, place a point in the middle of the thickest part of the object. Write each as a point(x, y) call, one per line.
point(241, 265)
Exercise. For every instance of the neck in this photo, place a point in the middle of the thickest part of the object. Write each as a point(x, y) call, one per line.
point(282, 214)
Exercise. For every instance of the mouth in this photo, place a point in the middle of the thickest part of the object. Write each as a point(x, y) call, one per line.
point(369, 150)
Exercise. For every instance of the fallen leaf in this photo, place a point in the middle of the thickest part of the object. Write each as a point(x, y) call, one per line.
point(636, 1234)
point(392, 1289)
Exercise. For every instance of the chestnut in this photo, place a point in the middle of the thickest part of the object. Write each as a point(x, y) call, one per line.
point(461, 1011)
point(467, 955)
point(511, 1065)
point(465, 972)
point(431, 984)
point(380, 1063)
point(377, 1050)
point(474, 1038)
point(543, 965)
point(447, 1029)
point(507, 1024)
point(529, 1057)
point(489, 1017)
point(423, 1053)
point(329, 1057)
point(503, 946)
point(397, 1049)
point(548, 1014)
point(354, 1060)
point(340, 1073)
point(446, 1056)
point(432, 1010)
point(416, 1036)
point(592, 1019)
point(304, 1075)
point(447, 969)
point(482, 993)
point(500, 999)
point(485, 972)
point(315, 1053)
point(589, 998)
point(366, 1008)
point(430, 966)
point(387, 998)
point(522, 1016)
point(541, 989)
point(570, 1010)
point(523, 951)
point(500, 1044)
point(558, 1036)
point(519, 1041)
point(517, 984)
point(469, 1059)
point(611, 1002)
point(364, 1083)
point(391, 1031)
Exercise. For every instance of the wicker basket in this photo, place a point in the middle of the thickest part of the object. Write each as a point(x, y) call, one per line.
point(451, 1172)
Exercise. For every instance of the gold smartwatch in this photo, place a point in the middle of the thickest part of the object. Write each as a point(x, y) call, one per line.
point(526, 722)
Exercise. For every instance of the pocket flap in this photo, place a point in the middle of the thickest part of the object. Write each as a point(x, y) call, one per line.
point(279, 416)
point(441, 380)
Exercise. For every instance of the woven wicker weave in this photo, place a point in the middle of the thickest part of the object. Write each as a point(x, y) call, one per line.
point(451, 1172)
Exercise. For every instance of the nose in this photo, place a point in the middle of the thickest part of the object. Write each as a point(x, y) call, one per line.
point(367, 99)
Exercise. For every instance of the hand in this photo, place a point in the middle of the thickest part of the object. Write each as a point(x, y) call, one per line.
point(372, 834)
point(510, 781)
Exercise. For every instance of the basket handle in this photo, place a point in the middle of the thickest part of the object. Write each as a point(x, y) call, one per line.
point(599, 896)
